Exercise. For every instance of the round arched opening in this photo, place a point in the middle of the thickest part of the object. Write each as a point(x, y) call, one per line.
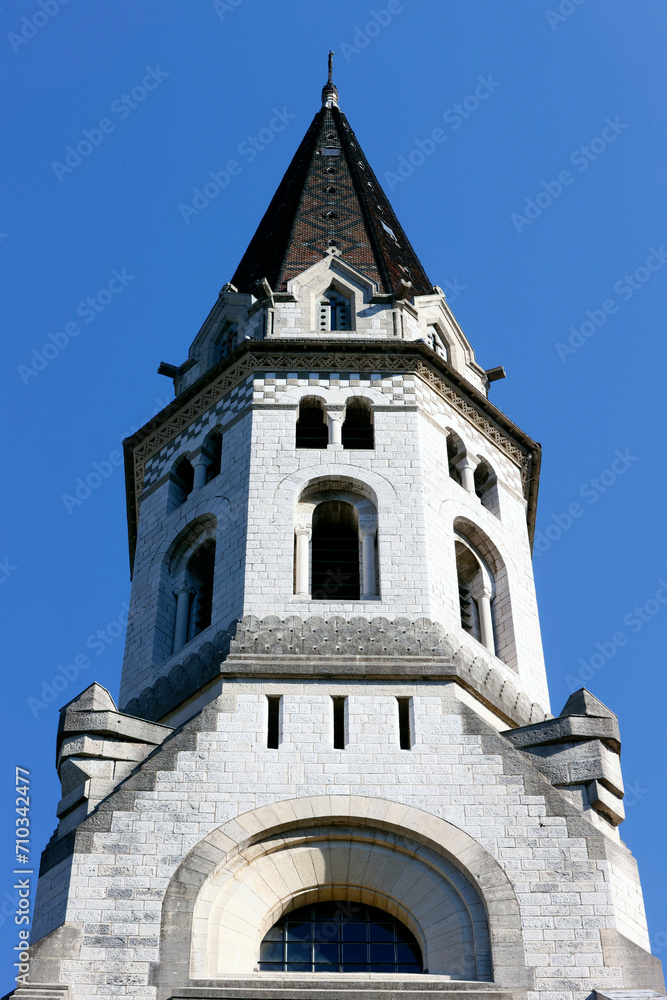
point(335, 552)
point(339, 936)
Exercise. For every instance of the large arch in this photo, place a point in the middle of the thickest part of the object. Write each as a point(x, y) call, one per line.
point(387, 854)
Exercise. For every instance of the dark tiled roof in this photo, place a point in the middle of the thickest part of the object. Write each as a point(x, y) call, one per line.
point(329, 193)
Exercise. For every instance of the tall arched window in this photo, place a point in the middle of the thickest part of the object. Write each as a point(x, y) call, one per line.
point(335, 311)
point(199, 572)
point(455, 452)
point(486, 487)
point(486, 607)
point(358, 424)
point(340, 936)
point(468, 573)
point(311, 425)
point(335, 559)
point(182, 478)
point(213, 449)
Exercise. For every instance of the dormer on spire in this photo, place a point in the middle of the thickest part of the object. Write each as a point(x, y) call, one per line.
point(330, 90)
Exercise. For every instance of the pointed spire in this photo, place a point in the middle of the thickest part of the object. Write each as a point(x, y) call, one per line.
point(330, 201)
point(330, 90)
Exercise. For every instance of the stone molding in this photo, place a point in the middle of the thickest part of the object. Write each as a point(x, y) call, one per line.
point(356, 648)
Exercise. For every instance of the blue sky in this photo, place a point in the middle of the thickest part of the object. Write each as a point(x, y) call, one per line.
point(542, 214)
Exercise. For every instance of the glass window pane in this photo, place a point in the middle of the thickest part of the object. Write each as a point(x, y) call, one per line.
point(299, 931)
point(326, 930)
point(354, 932)
point(382, 932)
point(271, 951)
point(276, 933)
point(326, 952)
point(355, 953)
point(295, 967)
point(382, 953)
point(298, 951)
point(408, 953)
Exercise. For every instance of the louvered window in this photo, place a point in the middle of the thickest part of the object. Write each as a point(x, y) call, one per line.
point(334, 313)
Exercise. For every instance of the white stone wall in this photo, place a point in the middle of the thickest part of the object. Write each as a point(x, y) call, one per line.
point(564, 897)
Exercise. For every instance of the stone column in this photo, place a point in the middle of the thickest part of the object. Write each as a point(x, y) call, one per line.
point(369, 581)
point(200, 464)
point(466, 467)
point(302, 561)
point(483, 595)
point(182, 615)
point(335, 423)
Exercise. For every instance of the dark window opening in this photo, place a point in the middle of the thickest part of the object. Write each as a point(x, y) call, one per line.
point(183, 475)
point(357, 429)
point(311, 427)
point(273, 731)
point(226, 342)
point(334, 309)
point(200, 572)
point(340, 936)
point(335, 552)
point(455, 452)
point(214, 448)
point(467, 571)
point(338, 723)
point(404, 734)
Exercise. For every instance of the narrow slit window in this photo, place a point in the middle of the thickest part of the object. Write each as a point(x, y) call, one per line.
point(339, 723)
point(404, 734)
point(273, 733)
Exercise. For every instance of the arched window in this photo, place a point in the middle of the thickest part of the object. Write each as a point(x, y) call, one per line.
point(182, 479)
point(358, 424)
point(311, 425)
point(340, 936)
point(486, 487)
point(484, 596)
point(199, 572)
point(468, 573)
point(335, 552)
point(335, 311)
point(437, 342)
point(455, 452)
point(213, 450)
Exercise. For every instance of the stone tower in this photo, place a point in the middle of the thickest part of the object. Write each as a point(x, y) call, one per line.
point(333, 765)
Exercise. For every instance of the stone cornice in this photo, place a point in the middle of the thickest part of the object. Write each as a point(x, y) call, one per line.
point(357, 355)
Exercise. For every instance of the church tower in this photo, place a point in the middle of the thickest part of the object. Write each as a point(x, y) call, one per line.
point(333, 765)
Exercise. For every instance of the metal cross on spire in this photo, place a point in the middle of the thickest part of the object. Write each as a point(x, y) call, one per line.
point(330, 90)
